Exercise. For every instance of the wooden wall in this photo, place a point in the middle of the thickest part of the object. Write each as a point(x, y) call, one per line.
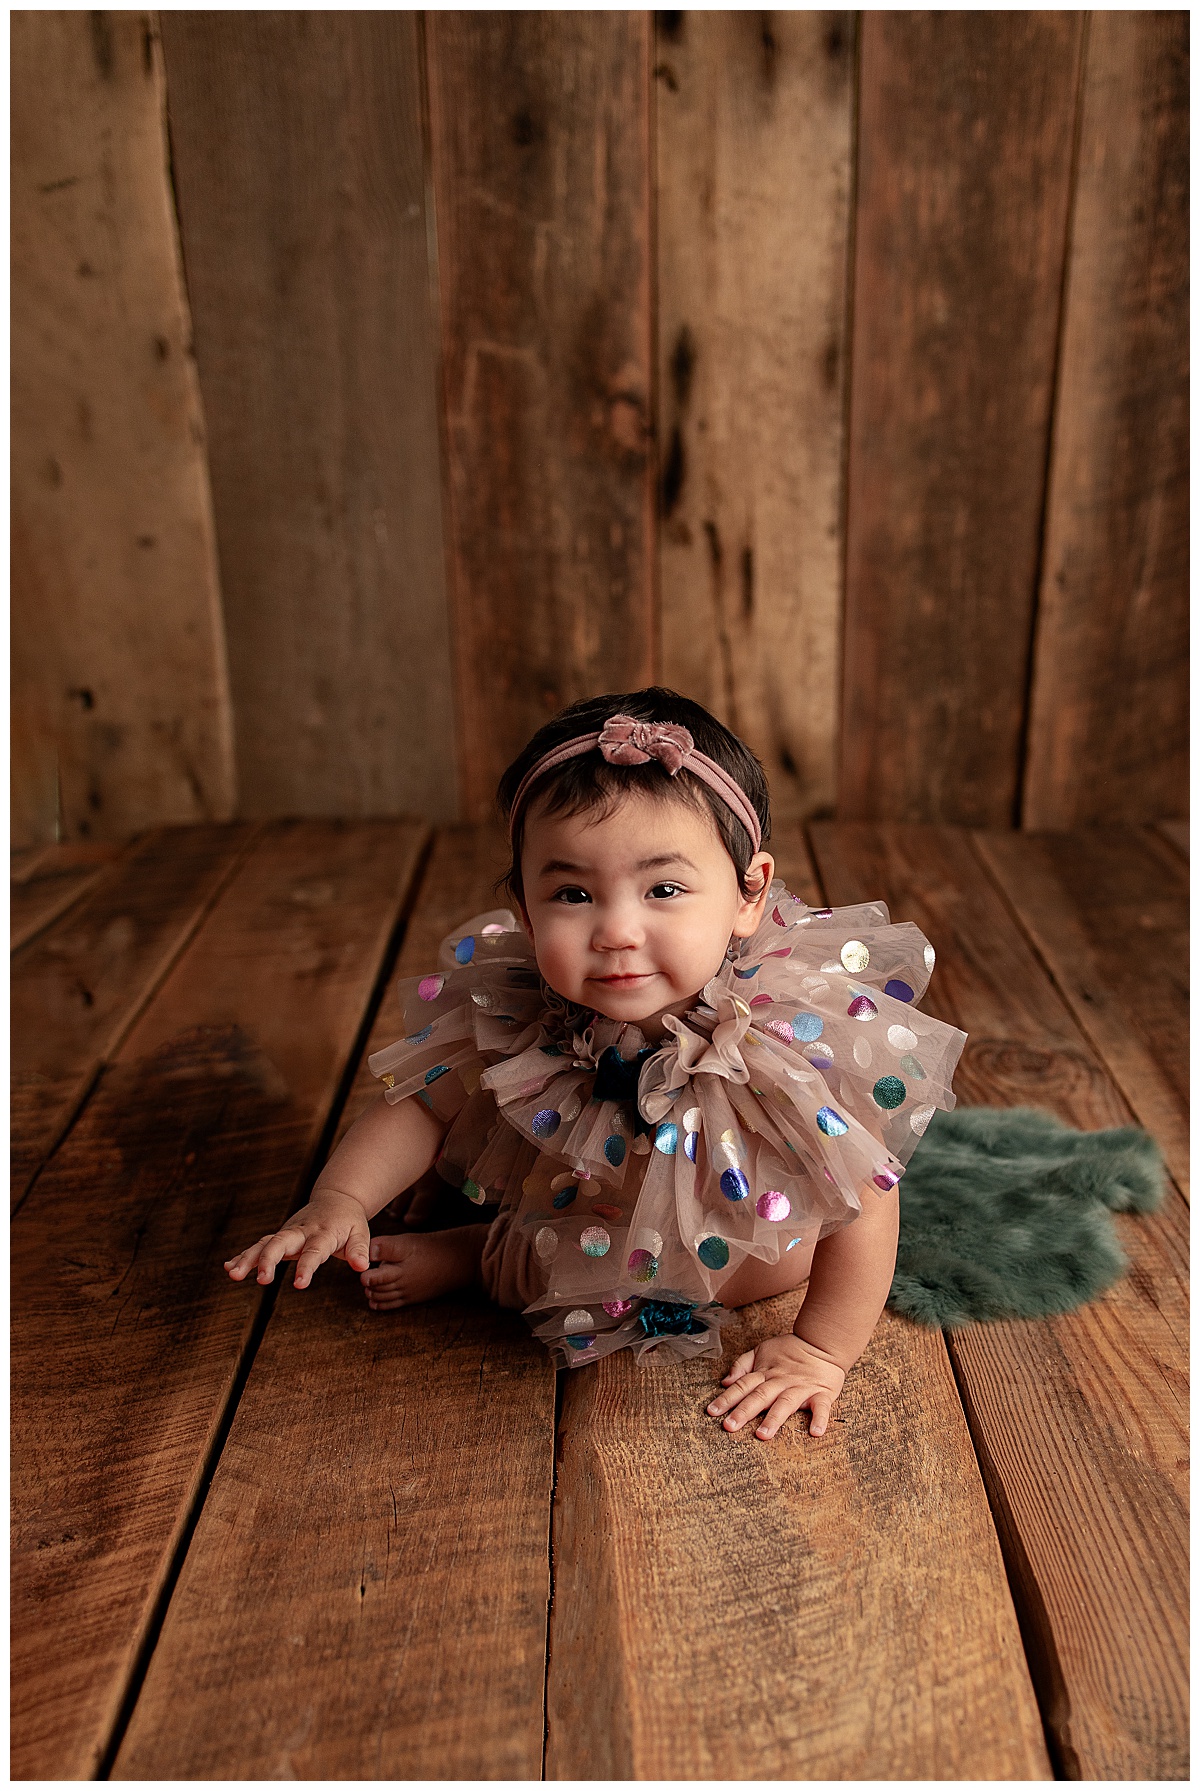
point(830, 367)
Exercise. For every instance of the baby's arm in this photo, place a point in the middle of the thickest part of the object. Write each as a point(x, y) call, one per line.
point(382, 1154)
point(851, 1275)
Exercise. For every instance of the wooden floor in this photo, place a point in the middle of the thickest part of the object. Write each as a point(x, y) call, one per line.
point(281, 1537)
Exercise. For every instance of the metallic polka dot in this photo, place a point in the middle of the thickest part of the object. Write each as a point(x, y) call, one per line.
point(807, 1026)
point(734, 1185)
point(430, 987)
point(751, 970)
point(920, 1117)
point(546, 1242)
point(604, 1211)
point(618, 1308)
point(730, 1139)
point(642, 1266)
point(862, 1008)
point(855, 956)
point(580, 1343)
point(594, 1241)
point(819, 1054)
point(862, 1052)
point(646, 1239)
point(439, 1069)
point(793, 1242)
point(889, 1092)
point(547, 1122)
point(930, 957)
point(912, 1067)
point(773, 1205)
point(712, 1251)
point(822, 913)
point(780, 1030)
point(831, 967)
point(901, 1039)
point(483, 998)
point(564, 1198)
point(531, 1088)
point(760, 1001)
point(389, 1081)
point(572, 1109)
point(786, 952)
point(777, 917)
point(691, 1140)
point(885, 1178)
point(832, 1124)
point(474, 1192)
point(666, 1138)
point(897, 990)
point(418, 1038)
point(740, 1007)
point(492, 929)
point(464, 951)
point(693, 1120)
point(579, 1320)
point(614, 1149)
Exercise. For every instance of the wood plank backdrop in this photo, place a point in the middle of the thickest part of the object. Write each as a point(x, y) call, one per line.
point(830, 367)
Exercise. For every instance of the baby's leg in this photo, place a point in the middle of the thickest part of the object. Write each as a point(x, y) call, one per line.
point(757, 1280)
point(406, 1270)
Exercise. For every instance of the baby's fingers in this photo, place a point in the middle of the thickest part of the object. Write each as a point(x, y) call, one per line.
point(730, 1397)
point(255, 1256)
point(286, 1243)
point(819, 1407)
point(789, 1400)
point(743, 1365)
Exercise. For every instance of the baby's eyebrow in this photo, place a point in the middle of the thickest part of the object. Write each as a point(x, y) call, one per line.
point(663, 859)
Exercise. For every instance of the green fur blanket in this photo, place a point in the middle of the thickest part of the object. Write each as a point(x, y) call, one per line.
point(1004, 1213)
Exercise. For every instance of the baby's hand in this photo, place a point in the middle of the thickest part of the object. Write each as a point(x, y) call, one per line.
point(331, 1224)
point(781, 1376)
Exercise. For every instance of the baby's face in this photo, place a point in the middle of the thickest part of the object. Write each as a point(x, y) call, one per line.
point(631, 914)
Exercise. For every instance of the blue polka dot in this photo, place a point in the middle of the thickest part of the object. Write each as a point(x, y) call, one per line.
point(691, 1140)
point(666, 1138)
point(897, 990)
point(418, 1038)
point(564, 1197)
point(889, 1092)
point(441, 1069)
point(734, 1185)
point(580, 1342)
point(831, 1123)
point(713, 1252)
point(807, 1027)
point(464, 951)
point(546, 1123)
point(614, 1149)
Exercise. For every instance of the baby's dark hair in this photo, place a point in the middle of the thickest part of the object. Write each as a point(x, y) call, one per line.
point(590, 785)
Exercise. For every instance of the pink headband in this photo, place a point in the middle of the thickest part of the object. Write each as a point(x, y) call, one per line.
point(624, 741)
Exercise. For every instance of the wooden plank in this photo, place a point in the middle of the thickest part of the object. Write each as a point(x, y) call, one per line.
point(127, 1334)
point(966, 124)
point(401, 1464)
point(1079, 1421)
point(52, 884)
point(121, 715)
point(1108, 731)
point(1107, 912)
point(298, 162)
point(76, 989)
point(543, 224)
point(830, 1608)
point(1177, 833)
point(754, 136)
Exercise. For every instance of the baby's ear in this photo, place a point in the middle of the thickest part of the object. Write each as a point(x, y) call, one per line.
point(525, 922)
point(757, 880)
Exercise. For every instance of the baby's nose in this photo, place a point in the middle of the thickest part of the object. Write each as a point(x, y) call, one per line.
point(617, 928)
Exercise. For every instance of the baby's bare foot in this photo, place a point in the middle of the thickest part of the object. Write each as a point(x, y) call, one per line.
point(407, 1270)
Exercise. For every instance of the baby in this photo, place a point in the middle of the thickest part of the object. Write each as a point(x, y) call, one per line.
point(673, 1080)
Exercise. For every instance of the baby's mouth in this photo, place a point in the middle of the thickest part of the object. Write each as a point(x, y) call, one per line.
point(623, 979)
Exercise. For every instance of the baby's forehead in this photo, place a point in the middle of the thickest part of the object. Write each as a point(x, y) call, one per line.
point(626, 828)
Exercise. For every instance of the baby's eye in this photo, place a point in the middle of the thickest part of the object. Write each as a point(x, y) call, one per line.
point(570, 894)
point(663, 890)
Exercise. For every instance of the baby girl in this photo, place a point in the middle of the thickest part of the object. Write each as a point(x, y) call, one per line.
point(674, 1087)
